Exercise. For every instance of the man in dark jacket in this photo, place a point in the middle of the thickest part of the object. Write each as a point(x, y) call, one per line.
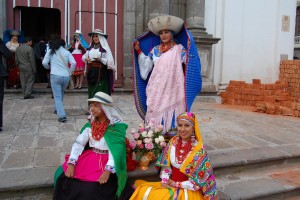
point(4, 51)
point(25, 59)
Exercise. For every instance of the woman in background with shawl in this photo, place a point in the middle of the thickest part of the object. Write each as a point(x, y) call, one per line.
point(100, 65)
point(78, 49)
point(96, 167)
point(163, 71)
point(13, 79)
point(186, 172)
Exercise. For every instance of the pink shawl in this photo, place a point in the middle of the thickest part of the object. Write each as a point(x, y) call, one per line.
point(165, 89)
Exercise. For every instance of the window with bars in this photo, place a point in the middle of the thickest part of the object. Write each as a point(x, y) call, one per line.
point(297, 29)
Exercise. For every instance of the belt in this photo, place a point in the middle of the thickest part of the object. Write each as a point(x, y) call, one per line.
point(95, 64)
point(99, 151)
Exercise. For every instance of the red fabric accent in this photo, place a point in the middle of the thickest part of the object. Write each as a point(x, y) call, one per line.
point(139, 51)
point(13, 77)
point(178, 175)
point(130, 163)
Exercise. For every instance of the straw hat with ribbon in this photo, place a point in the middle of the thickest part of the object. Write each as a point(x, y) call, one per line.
point(97, 31)
point(165, 22)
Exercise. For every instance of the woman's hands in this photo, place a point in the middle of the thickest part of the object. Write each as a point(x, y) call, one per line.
point(137, 46)
point(104, 177)
point(170, 184)
point(70, 171)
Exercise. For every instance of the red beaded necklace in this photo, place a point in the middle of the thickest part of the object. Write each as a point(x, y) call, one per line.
point(182, 150)
point(98, 129)
point(164, 48)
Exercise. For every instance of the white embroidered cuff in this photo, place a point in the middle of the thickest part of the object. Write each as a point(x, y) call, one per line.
point(72, 161)
point(110, 168)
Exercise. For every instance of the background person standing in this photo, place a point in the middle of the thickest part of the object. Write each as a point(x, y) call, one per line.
point(3, 74)
point(60, 73)
point(25, 59)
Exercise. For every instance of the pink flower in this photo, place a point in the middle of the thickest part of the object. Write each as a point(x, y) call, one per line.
point(149, 146)
point(136, 135)
point(160, 127)
point(141, 146)
point(141, 130)
point(163, 144)
point(132, 144)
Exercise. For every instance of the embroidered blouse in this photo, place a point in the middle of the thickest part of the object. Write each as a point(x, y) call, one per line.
point(146, 62)
point(167, 171)
point(82, 140)
point(95, 53)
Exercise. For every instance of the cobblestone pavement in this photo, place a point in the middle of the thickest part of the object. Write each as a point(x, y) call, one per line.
point(33, 143)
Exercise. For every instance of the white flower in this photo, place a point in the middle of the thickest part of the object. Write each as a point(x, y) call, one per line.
point(144, 133)
point(141, 125)
point(147, 140)
point(156, 140)
point(150, 134)
point(133, 130)
point(161, 138)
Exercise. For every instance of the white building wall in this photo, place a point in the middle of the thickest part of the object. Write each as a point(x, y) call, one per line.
point(252, 40)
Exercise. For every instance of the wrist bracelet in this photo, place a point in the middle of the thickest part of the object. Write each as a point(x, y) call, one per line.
point(178, 184)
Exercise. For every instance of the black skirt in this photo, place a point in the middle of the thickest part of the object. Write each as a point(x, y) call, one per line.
point(74, 189)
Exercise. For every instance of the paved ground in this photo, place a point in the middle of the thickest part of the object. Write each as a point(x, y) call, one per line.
point(33, 143)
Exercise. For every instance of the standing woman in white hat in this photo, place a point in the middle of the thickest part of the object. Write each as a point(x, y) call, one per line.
point(96, 167)
point(100, 64)
point(77, 49)
point(165, 89)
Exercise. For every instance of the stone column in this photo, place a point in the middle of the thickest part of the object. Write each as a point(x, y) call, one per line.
point(156, 8)
point(204, 41)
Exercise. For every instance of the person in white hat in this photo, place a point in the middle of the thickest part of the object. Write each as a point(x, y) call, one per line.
point(77, 49)
point(165, 88)
point(100, 64)
point(96, 167)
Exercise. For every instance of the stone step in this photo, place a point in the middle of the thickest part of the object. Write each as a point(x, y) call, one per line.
point(234, 168)
point(269, 183)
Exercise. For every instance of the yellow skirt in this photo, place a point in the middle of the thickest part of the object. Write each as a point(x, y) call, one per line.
point(154, 191)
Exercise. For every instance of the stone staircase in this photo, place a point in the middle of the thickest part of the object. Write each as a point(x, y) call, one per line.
point(265, 173)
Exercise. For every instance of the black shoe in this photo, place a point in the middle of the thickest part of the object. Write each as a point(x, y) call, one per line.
point(29, 97)
point(62, 119)
point(55, 112)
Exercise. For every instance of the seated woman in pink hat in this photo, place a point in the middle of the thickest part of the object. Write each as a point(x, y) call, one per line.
point(96, 167)
point(186, 172)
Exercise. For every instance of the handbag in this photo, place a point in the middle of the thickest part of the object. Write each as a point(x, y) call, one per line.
point(71, 81)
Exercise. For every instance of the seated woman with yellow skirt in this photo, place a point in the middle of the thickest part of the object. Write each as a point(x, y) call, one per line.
point(186, 172)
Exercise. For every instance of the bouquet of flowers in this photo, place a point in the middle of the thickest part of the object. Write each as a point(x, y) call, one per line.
point(148, 139)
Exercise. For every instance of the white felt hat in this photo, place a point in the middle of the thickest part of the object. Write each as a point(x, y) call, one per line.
point(165, 22)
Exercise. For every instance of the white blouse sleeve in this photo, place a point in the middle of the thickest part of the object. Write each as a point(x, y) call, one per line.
point(189, 185)
point(145, 64)
point(78, 146)
point(110, 165)
point(84, 56)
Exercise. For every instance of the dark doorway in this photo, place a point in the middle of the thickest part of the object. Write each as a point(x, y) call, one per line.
point(39, 22)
